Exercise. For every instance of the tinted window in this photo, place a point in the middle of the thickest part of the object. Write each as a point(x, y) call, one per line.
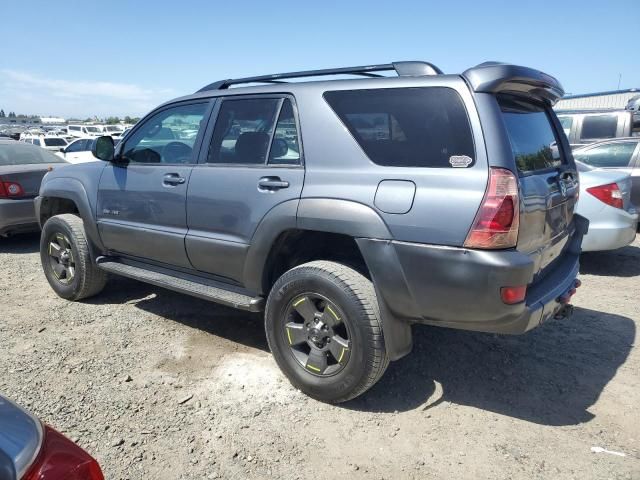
point(54, 142)
point(22, 154)
point(612, 155)
point(166, 137)
point(407, 127)
point(599, 126)
point(243, 131)
point(285, 149)
point(77, 146)
point(533, 142)
point(75, 129)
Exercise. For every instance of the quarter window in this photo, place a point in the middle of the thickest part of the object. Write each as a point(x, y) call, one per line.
point(285, 148)
point(612, 155)
point(599, 126)
point(407, 127)
point(167, 137)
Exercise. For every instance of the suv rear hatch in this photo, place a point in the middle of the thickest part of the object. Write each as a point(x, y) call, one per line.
point(548, 181)
point(547, 175)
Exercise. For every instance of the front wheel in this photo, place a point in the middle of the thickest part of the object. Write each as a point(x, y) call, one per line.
point(323, 327)
point(67, 264)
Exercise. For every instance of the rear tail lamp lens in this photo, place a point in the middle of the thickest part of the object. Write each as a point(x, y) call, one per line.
point(61, 459)
point(609, 194)
point(10, 189)
point(498, 219)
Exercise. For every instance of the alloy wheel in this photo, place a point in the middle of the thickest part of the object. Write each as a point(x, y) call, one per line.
point(317, 334)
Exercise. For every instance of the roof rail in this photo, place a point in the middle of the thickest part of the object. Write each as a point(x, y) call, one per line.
point(403, 69)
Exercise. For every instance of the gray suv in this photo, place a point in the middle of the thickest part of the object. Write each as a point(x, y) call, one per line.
point(346, 210)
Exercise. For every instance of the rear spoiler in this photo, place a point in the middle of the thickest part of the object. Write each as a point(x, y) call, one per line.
point(495, 77)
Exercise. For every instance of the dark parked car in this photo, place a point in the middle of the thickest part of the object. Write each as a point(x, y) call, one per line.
point(619, 154)
point(31, 450)
point(347, 210)
point(22, 167)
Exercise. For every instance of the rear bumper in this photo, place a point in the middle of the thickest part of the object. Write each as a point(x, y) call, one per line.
point(17, 216)
point(616, 231)
point(460, 288)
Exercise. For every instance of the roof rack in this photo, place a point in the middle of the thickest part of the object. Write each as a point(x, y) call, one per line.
point(403, 69)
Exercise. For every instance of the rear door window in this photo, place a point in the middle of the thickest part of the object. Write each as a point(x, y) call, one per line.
point(532, 138)
point(407, 127)
point(608, 156)
point(243, 132)
point(599, 126)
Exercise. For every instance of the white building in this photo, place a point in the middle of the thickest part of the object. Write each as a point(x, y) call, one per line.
point(57, 120)
point(613, 100)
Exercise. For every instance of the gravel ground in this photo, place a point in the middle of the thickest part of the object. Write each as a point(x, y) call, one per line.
point(164, 386)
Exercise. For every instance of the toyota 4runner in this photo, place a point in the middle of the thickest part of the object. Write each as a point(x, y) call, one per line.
point(347, 210)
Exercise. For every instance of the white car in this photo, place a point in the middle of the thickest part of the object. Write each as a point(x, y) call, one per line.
point(78, 151)
point(81, 131)
point(48, 142)
point(114, 130)
point(605, 200)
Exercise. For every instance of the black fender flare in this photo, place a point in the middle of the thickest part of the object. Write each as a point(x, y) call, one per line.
point(73, 190)
point(331, 216)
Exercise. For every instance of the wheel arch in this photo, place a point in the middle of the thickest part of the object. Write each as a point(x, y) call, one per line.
point(294, 225)
point(68, 195)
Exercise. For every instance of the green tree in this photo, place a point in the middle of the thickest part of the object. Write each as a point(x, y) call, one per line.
point(2, 115)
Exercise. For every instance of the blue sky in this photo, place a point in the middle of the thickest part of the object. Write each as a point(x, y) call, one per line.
point(121, 57)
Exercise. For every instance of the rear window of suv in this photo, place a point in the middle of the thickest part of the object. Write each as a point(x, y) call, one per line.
point(599, 126)
point(407, 127)
point(533, 142)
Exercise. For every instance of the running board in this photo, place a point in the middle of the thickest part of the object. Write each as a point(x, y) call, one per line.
point(188, 284)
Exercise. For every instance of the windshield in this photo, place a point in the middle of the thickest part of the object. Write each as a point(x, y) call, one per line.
point(93, 129)
point(534, 144)
point(25, 154)
point(112, 129)
point(54, 142)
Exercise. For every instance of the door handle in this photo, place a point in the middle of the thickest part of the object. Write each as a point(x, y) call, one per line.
point(173, 179)
point(271, 184)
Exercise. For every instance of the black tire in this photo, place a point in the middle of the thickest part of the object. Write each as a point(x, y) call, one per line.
point(354, 296)
point(87, 279)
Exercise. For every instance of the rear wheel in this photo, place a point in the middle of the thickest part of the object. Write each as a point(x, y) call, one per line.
point(67, 264)
point(323, 327)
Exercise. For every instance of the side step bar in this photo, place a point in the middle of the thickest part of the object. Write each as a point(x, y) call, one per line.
point(188, 284)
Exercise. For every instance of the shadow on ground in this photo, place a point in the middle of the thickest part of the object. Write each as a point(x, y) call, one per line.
point(20, 244)
point(624, 262)
point(550, 376)
point(234, 325)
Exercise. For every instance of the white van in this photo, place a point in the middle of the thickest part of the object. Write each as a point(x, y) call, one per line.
point(81, 131)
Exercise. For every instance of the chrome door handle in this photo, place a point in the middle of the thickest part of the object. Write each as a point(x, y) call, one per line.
point(271, 184)
point(173, 179)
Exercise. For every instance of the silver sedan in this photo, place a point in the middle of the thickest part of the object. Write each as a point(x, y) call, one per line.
point(605, 200)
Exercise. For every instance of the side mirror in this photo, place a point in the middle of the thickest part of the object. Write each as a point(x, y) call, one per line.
point(103, 148)
point(61, 149)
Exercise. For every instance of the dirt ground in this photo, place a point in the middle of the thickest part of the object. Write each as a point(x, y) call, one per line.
point(157, 385)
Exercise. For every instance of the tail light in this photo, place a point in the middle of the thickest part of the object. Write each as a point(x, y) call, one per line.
point(10, 189)
point(61, 459)
point(609, 194)
point(498, 219)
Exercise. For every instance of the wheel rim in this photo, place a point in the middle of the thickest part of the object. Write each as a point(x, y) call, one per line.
point(317, 334)
point(61, 258)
